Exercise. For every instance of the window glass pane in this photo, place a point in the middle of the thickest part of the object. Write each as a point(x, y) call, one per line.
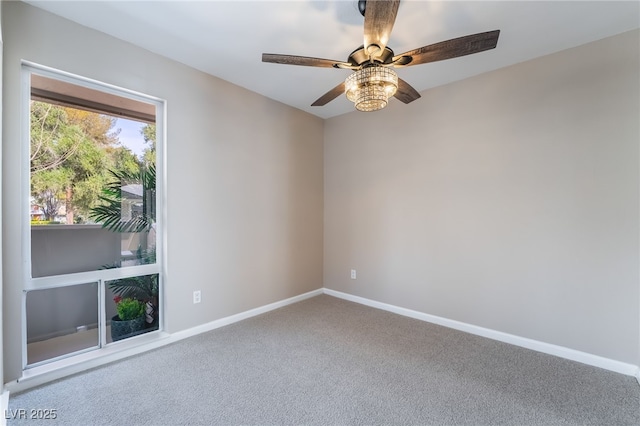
point(61, 321)
point(132, 306)
point(92, 189)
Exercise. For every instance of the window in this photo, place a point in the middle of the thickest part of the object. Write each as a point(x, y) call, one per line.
point(94, 233)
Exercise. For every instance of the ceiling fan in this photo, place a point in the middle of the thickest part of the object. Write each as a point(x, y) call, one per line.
point(374, 81)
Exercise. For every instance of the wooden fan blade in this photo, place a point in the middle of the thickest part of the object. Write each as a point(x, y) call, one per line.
point(379, 17)
point(300, 60)
point(453, 48)
point(330, 95)
point(405, 92)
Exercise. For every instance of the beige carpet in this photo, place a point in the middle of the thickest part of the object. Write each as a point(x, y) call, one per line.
point(326, 361)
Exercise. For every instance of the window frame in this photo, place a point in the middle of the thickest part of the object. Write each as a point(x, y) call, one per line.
point(101, 276)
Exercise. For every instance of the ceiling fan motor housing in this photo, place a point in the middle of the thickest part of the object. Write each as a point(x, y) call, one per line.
point(360, 56)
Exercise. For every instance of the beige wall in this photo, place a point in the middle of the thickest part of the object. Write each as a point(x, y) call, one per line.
point(244, 176)
point(507, 201)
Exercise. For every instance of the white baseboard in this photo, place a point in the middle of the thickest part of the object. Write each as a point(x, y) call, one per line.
point(547, 348)
point(56, 370)
point(49, 372)
point(243, 315)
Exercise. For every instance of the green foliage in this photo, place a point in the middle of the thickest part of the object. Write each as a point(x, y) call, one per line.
point(124, 159)
point(129, 309)
point(53, 138)
point(71, 153)
point(143, 287)
point(43, 222)
point(149, 134)
point(110, 213)
point(97, 127)
point(48, 189)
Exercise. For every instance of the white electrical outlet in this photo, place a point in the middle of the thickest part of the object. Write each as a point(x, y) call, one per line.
point(353, 274)
point(197, 296)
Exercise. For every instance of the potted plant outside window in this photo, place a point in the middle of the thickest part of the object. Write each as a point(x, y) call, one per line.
point(130, 320)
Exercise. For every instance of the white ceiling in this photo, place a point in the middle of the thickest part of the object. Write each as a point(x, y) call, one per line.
point(227, 38)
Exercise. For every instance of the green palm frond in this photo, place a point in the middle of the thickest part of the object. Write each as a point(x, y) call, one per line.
point(144, 288)
point(109, 212)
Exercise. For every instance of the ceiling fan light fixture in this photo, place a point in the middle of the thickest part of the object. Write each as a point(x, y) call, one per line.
point(370, 87)
point(373, 81)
